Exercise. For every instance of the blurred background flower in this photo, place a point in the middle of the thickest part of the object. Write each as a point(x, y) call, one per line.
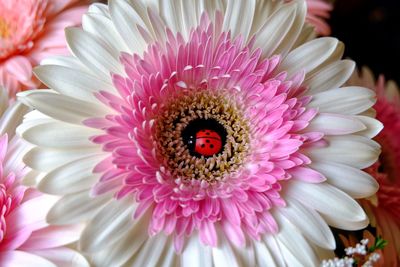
point(384, 208)
point(318, 11)
point(31, 30)
point(25, 237)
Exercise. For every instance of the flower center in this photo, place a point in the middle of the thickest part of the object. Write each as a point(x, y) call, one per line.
point(4, 29)
point(202, 135)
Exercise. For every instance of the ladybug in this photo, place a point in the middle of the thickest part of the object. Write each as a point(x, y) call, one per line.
point(207, 142)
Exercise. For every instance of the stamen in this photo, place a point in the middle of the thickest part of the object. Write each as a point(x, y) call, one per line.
point(4, 29)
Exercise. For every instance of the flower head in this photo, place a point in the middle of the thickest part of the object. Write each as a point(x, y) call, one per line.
point(25, 237)
point(384, 207)
point(191, 135)
point(31, 30)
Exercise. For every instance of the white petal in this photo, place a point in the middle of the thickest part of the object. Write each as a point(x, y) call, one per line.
point(3, 100)
point(373, 126)
point(76, 208)
point(63, 257)
point(87, 48)
point(11, 118)
point(126, 21)
point(225, 254)
point(109, 225)
point(290, 239)
point(290, 259)
point(334, 57)
point(196, 254)
point(16, 150)
point(263, 256)
point(157, 24)
point(308, 56)
point(294, 32)
point(214, 5)
point(70, 178)
point(330, 77)
point(309, 223)
point(338, 209)
point(151, 251)
point(239, 17)
point(58, 134)
point(32, 178)
point(72, 82)
point(190, 13)
point(306, 35)
point(262, 12)
point(46, 159)
point(346, 100)
point(65, 61)
point(171, 13)
point(273, 247)
point(22, 259)
point(335, 124)
point(31, 119)
point(275, 28)
point(99, 8)
point(62, 107)
point(126, 247)
point(102, 27)
point(169, 258)
point(354, 182)
point(356, 151)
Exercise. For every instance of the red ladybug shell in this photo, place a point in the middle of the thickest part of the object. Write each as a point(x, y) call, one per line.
point(208, 142)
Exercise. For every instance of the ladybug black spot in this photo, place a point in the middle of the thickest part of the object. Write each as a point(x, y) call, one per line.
point(208, 141)
point(211, 146)
point(203, 145)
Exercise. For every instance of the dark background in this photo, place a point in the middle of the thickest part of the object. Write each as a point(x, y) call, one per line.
point(370, 30)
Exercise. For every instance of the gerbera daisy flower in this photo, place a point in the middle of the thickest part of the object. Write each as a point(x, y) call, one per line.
point(183, 136)
point(25, 237)
point(384, 207)
point(318, 11)
point(30, 31)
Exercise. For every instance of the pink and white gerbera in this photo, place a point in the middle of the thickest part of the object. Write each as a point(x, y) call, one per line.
point(31, 30)
point(202, 133)
point(25, 237)
point(384, 207)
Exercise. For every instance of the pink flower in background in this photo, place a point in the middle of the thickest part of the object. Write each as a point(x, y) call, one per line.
point(25, 237)
point(384, 208)
point(317, 13)
point(31, 30)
